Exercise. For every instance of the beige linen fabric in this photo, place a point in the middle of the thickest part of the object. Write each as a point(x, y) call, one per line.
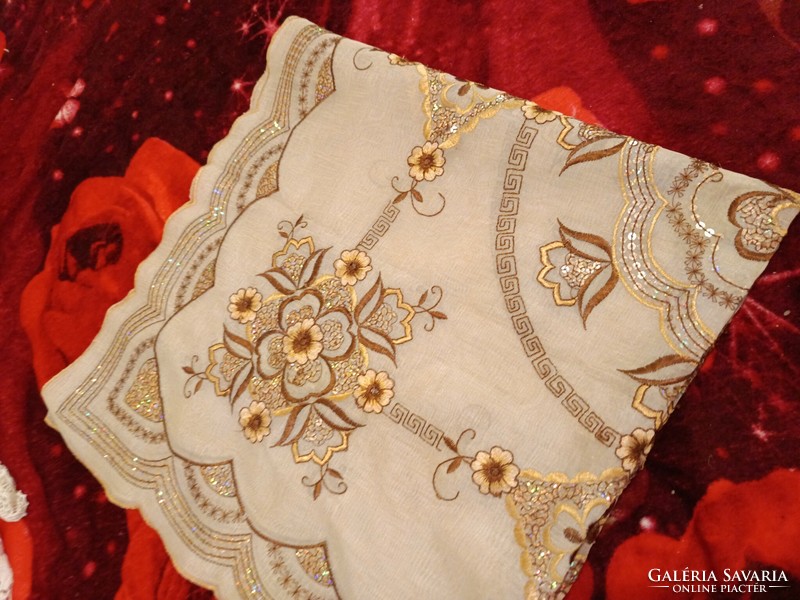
point(411, 337)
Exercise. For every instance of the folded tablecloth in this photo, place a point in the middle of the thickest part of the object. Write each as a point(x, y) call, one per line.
point(412, 336)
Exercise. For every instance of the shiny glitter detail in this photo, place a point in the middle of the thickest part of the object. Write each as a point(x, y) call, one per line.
point(205, 281)
point(220, 479)
point(143, 397)
point(268, 183)
point(315, 563)
point(756, 216)
point(455, 106)
point(558, 520)
point(325, 80)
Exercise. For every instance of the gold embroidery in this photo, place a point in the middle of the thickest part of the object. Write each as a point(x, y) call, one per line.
point(325, 85)
point(268, 184)
point(681, 325)
point(224, 506)
point(668, 376)
point(305, 348)
point(454, 106)
point(220, 479)
point(634, 448)
point(143, 397)
point(539, 114)
point(584, 257)
point(557, 520)
point(315, 563)
point(206, 278)
point(697, 236)
point(593, 143)
point(121, 413)
point(756, 216)
point(494, 472)
point(506, 266)
point(235, 551)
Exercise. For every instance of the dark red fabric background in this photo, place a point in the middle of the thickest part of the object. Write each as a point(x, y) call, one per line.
point(719, 80)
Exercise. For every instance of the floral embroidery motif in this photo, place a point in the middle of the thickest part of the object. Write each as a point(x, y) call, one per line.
point(494, 472)
point(756, 216)
point(594, 143)
point(455, 106)
point(683, 179)
point(557, 520)
point(426, 162)
point(634, 448)
point(541, 115)
point(352, 267)
point(582, 259)
point(244, 305)
point(661, 384)
point(374, 391)
point(255, 421)
point(305, 348)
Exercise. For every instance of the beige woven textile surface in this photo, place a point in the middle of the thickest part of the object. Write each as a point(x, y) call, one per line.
point(412, 336)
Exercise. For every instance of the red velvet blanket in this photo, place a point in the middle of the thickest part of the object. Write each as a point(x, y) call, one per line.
point(85, 85)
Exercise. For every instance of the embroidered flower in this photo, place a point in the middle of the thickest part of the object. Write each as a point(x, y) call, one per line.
point(353, 266)
point(426, 162)
point(255, 421)
point(537, 113)
point(374, 391)
point(244, 304)
point(494, 472)
point(396, 59)
point(303, 342)
point(634, 448)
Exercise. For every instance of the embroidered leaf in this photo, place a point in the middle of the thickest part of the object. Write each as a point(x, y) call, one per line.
point(377, 288)
point(311, 267)
point(188, 370)
point(450, 444)
point(334, 473)
point(597, 298)
point(455, 464)
point(588, 238)
point(349, 424)
point(666, 370)
point(280, 280)
point(377, 341)
point(198, 385)
point(242, 386)
point(437, 315)
point(573, 535)
point(576, 156)
point(399, 198)
point(317, 489)
point(417, 196)
point(236, 345)
point(286, 437)
point(423, 298)
point(299, 220)
point(283, 234)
